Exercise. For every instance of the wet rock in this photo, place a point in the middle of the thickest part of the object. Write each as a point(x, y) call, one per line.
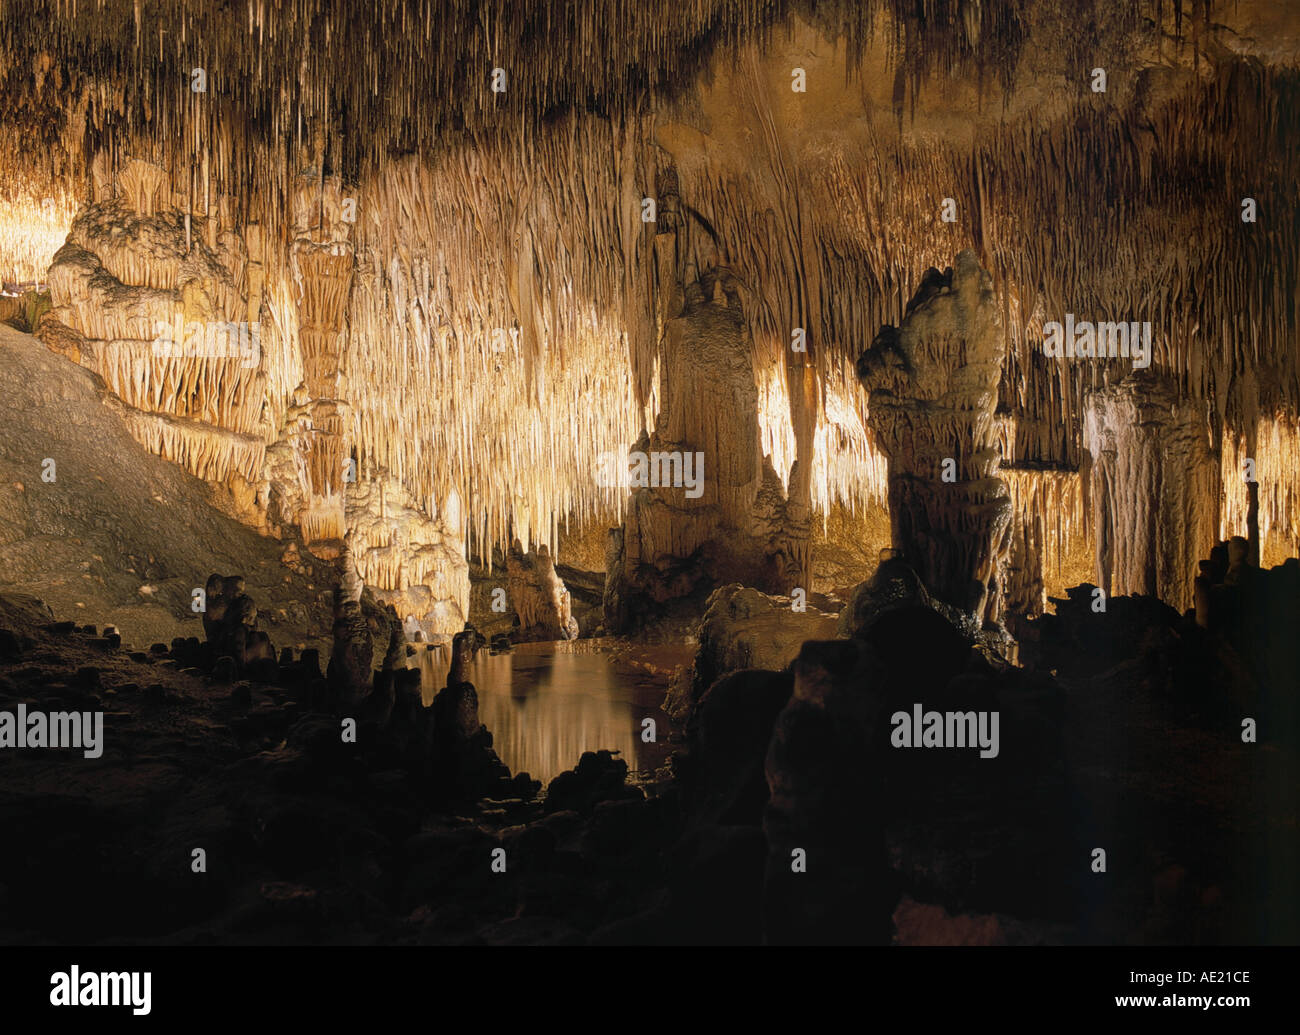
point(823, 765)
point(598, 776)
point(745, 629)
point(721, 768)
point(539, 596)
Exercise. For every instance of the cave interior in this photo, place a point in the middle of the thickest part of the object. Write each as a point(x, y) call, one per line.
point(741, 471)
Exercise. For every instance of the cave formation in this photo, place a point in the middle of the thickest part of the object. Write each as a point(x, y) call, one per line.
point(578, 429)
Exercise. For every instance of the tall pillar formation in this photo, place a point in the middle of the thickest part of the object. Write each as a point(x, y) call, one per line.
point(1154, 484)
point(738, 524)
point(322, 265)
point(933, 387)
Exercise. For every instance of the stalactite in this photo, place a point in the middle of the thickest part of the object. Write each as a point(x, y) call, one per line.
point(322, 270)
point(1275, 466)
point(502, 298)
point(1154, 487)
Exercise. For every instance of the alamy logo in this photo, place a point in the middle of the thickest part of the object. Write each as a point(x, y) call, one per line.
point(93, 988)
point(653, 470)
point(24, 729)
point(214, 339)
point(946, 729)
point(1107, 340)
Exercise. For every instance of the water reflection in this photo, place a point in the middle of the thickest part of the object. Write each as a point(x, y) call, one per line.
point(545, 708)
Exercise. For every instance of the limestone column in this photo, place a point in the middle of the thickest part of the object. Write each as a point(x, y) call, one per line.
point(322, 266)
point(734, 522)
point(1154, 485)
point(933, 386)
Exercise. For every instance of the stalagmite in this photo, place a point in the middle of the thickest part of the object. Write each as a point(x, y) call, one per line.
point(351, 662)
point(933, 384)
point(457, 289)
point(539, 597)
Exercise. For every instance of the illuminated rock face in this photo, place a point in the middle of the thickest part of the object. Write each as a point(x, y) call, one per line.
point(1154, 487)
point(933, 391)
point(539, 596)
point(707, 507)
point(158, 305)
point(243, 387)
point(321, 263)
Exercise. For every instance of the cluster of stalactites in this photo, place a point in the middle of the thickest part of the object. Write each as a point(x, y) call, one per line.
point(1154, 487)
point(505, 288)
point(494, 337)
point(153, 297)
point(1269, 470)
point(321, 267)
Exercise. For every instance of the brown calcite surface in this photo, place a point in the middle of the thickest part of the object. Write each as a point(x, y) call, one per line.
point(539, 597)
point(1154, 484)
point(476, 318)
point(709, 406)
point(933, 390)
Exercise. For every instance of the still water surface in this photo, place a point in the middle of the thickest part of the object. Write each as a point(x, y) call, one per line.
point(546, 704)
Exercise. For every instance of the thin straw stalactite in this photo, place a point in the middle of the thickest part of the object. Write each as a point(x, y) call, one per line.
point(503, 315)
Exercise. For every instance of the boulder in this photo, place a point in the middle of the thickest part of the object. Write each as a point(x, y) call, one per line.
point(745, 629)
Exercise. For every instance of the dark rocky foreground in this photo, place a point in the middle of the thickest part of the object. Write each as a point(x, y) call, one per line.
point(792, 818)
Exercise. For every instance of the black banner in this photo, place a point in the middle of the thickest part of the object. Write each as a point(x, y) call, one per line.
point(74, 987)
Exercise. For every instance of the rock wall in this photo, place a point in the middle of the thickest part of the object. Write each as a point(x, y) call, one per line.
point(230, 362)
point(157, 302)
